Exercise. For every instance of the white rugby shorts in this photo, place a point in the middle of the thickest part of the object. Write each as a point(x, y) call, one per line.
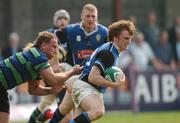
point(81, 90)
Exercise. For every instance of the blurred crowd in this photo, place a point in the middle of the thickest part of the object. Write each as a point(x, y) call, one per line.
point(153, 47)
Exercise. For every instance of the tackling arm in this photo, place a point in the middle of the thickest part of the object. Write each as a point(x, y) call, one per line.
point(34, 88)
point(56, 79)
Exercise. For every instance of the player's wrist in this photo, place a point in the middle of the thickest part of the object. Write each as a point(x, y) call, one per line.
point(48, 91)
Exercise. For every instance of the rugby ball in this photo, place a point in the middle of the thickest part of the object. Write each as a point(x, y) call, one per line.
point(112, 73)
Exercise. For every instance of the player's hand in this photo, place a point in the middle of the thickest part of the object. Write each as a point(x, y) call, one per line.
point(67, 87)
point(77, 69)
point(120, 80)
point(70, 82)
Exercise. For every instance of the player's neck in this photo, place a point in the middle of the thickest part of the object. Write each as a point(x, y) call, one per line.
point(88, 30)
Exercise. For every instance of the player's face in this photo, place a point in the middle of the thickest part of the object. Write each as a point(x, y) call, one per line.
point(62, 22)
point(89, 19)
point(50, 48)
point(123, 40)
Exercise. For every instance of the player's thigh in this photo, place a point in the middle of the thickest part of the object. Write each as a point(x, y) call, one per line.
point(72, 79)
point(92, 102)
point(4, 117)
point(77, 112)
point(67, 104)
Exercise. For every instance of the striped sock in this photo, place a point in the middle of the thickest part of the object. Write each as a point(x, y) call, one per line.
point(34, 115)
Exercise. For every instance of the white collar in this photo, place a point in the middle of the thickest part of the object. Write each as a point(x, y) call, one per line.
point(116, 47)
point(90, 33)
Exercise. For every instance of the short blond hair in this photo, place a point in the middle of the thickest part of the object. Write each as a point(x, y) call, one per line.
point(89, 7)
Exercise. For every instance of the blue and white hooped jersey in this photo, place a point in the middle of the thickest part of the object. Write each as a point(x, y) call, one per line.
point(105, 56)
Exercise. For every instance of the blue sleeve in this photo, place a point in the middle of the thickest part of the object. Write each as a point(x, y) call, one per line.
point(41, 63)
point(104, 59)
point(62, 35)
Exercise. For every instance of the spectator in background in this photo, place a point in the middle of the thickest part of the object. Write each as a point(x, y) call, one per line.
point(164, 53)
point(12, 46)
point(177, 49)
point(151, 30)
point(61, 19)
point(1, 58)
point(142, 54)
point(133, 19)
point(173, 30)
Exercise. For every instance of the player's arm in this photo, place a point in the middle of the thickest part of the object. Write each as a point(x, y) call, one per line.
point(96, 78)
point(57, 79)
point(34, 88)
point(104, 59)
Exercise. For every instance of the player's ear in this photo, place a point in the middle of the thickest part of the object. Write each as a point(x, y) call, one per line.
point(81, 16)
point(43, 45)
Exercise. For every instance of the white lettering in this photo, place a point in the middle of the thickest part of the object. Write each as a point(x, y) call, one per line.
point(142, 89)
point(155, 89)
point(169, 90)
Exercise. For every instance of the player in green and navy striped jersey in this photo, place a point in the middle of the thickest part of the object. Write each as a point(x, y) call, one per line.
point(22, 67)
point(29, 66)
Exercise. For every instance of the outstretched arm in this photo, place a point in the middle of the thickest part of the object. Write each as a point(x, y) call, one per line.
point(35, 88)
point(55, 79)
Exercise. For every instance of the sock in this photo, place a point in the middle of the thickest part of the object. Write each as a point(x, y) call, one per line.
point(57, 117)
point(72, 121)
point(34, 115)
point(82, 118)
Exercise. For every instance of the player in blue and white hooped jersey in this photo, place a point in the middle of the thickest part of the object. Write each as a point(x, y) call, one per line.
point(88, 90)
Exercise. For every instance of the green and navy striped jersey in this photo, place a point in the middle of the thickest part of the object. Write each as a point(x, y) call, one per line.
point(21, 67)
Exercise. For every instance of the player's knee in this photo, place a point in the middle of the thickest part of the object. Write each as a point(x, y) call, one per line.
point(99, 113)
point(64, 109)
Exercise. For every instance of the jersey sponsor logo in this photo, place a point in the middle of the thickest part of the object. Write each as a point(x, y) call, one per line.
point(98, 37)
point(84, 54)
point(78, 38)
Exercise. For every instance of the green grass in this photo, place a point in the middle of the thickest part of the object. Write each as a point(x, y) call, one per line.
point(147, 117)
point(129, 117)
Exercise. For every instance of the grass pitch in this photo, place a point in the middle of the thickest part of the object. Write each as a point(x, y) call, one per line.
point(146, 117)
